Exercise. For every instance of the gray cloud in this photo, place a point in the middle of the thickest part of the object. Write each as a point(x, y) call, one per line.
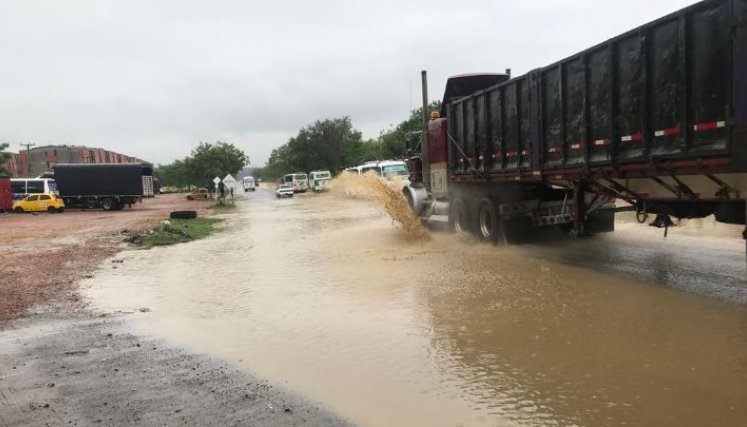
point(152, 78)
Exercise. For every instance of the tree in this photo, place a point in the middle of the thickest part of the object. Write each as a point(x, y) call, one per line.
point(393, 140)
point(173, 174)
point(330, 144)
point(4, 157)
point(210, 160)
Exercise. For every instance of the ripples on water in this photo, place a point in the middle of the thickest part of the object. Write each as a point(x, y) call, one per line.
point(323, 295)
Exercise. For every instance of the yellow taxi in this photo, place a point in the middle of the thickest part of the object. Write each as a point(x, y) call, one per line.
point(39, 203)
point(200, 193)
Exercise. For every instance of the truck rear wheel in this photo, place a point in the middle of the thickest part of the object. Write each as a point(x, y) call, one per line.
point(488, 222)
point(107, 204)
point(459, 217)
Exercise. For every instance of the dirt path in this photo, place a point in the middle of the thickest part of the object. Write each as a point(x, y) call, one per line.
point(43, 255)
point(92, 372)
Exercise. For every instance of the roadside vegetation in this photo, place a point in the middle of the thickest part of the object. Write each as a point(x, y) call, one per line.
point(205, 163)
point(4, 157)
point(334, 144)
point(175, 231)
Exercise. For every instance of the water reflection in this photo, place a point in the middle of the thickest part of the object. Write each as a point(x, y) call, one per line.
point(323, 295)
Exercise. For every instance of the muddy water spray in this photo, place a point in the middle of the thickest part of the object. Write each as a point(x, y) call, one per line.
point(371, 187)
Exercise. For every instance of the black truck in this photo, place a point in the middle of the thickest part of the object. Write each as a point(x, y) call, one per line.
point(108, 186)
point(656, 117)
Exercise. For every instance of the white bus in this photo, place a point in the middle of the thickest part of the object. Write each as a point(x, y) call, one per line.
point(22, 187)
point(299, 181)
point(318, 180)
point(390, 170)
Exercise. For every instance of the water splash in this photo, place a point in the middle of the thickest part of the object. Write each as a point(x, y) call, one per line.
point(384, 195)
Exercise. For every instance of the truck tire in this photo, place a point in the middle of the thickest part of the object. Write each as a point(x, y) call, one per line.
point(107, 204)
point(183, 215)
point(459, 218)
point(489, 225)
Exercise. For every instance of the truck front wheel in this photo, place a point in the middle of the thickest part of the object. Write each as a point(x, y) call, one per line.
point(459, 217)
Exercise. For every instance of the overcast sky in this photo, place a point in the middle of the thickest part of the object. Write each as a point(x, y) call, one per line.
point(153, 78)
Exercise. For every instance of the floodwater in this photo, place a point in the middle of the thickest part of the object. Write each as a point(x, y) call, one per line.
point(323, 295)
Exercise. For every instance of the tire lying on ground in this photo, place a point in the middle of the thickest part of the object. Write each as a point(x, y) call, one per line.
point(183, 215)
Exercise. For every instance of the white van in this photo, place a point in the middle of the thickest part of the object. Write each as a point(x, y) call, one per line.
point(22, 187)
point(248, 183)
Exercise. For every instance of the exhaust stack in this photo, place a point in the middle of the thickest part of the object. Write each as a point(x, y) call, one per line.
point(424, 155)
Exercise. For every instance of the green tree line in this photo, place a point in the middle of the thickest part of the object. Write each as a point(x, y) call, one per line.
point(205, 163)
point(4, 157)
point(334, 144)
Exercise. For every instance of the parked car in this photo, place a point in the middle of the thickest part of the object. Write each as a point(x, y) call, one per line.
point(284, 190)
point(48, 202)
point(199, 194)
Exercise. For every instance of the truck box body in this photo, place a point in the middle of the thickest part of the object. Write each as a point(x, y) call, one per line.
point(667, 97)
point(102, 179)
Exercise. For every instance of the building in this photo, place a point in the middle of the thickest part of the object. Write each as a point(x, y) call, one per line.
point(42, 159)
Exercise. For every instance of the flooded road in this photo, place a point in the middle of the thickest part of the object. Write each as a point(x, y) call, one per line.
point(324, 296)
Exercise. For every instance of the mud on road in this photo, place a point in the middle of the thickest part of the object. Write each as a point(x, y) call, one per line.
point(91, 372)
point(43, 255)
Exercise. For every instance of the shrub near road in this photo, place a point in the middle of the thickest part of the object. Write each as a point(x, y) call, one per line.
point(181, 230)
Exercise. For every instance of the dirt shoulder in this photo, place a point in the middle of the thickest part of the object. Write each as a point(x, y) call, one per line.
point(42, 256)
point(92, 372)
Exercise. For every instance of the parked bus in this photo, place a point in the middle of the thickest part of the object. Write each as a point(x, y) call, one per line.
point(299, 181)
point(22, 187)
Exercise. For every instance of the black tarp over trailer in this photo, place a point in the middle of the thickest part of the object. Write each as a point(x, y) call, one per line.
point(108, 179)
point(673, 90)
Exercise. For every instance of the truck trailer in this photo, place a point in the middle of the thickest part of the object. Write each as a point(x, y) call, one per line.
point(110, 186)
point(654, 120)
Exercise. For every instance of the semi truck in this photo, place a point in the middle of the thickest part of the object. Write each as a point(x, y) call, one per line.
point(654, 120)
point(108, 186)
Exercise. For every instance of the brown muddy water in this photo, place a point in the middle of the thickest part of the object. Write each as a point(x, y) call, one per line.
point(323, 295)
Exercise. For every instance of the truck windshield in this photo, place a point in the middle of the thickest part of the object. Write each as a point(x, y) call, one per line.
point(52, 186)
point(299, 176)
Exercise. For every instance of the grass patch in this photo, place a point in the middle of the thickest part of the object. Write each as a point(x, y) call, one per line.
point(228, 205)
point(181, 230)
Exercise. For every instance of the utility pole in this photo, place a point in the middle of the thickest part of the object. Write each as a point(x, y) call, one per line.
point(28, 156)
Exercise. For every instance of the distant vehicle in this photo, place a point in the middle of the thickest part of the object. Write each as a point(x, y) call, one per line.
point(109, 186)
point(391, 170)
point(6, 194)
point(199, 194)
point(249, 184)
point(284, 190)
point(39, 203)
point(22, 187)
point(299, 181)
point(318, 180)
